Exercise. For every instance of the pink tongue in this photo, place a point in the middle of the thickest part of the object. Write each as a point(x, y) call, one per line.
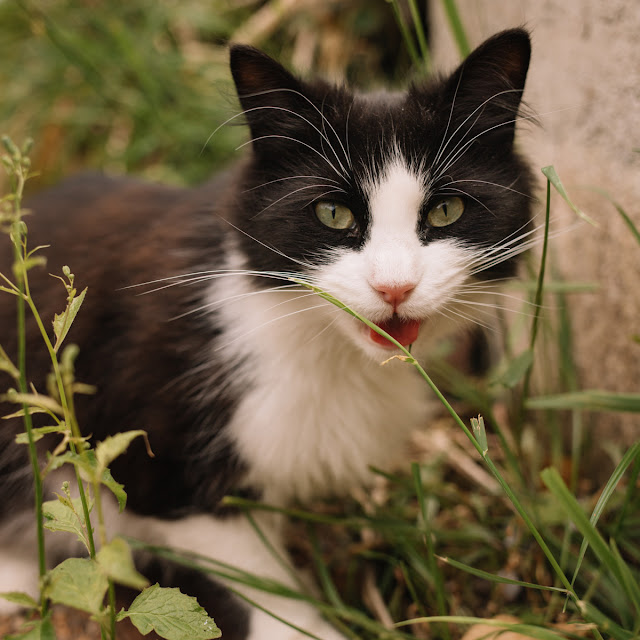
point(404, 331)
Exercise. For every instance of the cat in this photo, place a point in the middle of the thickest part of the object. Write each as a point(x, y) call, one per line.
point(409, 207)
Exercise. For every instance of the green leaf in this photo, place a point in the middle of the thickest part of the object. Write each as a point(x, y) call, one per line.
point(78, 583)
point(171, 614)
point(480, 433)
point(23, 599)
point(623, 214)
point(606, 494)
point(593, 400)
point(66, 515)
point(607, 557)
point(35, 400)
point(515, 371)
point(8, 366)
point(113, 446)
point(39, 432)
point(605, 624)
point(116, 488)
point(554, 179)
point(117, 563)
point(62, 321)
point(492, 577)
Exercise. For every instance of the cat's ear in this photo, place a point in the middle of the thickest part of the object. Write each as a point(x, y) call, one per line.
point(272, 98)
point(488, 85)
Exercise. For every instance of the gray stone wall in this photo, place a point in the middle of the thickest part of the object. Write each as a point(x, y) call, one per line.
point(584, 84)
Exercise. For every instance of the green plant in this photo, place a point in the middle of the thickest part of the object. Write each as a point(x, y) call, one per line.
point(87, 584)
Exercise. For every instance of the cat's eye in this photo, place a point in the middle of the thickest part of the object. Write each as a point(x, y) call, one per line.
point(446, 212)
point(334, 215)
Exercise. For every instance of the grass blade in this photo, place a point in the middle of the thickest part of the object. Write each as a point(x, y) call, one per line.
point(607, 557)
point(455, 23)
point(593, 400)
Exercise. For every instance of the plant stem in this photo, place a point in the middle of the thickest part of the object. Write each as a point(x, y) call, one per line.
point(407, 357)
point(22, 368)
point(69, 418)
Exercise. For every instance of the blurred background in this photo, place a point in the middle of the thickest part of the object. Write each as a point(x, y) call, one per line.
point(141, 86)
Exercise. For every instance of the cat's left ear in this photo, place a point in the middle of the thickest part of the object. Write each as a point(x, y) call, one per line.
point(489, 84)
point(272, 98)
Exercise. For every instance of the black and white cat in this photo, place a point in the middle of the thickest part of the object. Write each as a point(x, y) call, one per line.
point(407, 207)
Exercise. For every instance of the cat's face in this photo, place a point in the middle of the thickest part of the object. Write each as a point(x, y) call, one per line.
point(403, 205)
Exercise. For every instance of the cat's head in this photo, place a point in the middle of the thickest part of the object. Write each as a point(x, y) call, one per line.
point(402, 205)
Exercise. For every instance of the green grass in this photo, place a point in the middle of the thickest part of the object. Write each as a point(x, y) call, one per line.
point(506, 517)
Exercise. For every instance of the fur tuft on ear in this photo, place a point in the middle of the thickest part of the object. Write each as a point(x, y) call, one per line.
point(490, 82)
point(255, 73)
point(272, 98)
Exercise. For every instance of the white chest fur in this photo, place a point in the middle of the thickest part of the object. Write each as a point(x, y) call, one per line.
point(316, 412)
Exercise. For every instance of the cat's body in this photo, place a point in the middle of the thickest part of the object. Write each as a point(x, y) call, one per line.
point(245, 380)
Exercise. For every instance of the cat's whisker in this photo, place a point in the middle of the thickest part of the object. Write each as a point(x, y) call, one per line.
point(486, 307)
point(291, 139)
point(489, 183)
point(218, 303)
point(499, 294)
point(474, 114)
point(291, 193)
point(270, 248)
point(286, 178)
point(454, 156)
point(445, 139)
point(322, 116)
point(468, 195)
point(456, 315)
point(346, 135)
point(500, 253)
point(271, 321)
point(195, 278)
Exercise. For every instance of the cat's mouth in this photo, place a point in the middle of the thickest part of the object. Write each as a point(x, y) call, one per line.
point(403, 330)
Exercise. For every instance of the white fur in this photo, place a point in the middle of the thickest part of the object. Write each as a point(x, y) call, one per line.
point(318, 408)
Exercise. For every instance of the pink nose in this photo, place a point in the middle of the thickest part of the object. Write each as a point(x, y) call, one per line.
point(394, 294)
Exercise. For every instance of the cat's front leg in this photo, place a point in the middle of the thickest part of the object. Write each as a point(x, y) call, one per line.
point(233, 540)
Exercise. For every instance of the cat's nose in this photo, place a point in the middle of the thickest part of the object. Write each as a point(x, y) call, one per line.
point(394, 294)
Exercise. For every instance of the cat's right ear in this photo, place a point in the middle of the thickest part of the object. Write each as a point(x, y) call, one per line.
point(269, 94)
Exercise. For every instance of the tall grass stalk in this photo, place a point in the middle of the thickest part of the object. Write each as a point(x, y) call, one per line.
point(18, 165)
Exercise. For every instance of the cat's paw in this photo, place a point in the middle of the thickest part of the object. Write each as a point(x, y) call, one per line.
point(266, 627)
point(17, 574)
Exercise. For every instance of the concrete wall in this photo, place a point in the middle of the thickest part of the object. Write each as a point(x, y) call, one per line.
point(584, 83)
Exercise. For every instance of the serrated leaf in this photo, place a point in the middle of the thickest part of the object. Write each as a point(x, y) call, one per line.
point(515, 371)
point(23, 599)
point(85, 462)
point(77, 583)
point(113, 446)
point(171, 614)
point(116, 561)
point(88, 466)
point(66, 515)
point(62, 321)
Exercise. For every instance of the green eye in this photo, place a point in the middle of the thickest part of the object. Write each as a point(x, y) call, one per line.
point(446, 212)
point(334, 215)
